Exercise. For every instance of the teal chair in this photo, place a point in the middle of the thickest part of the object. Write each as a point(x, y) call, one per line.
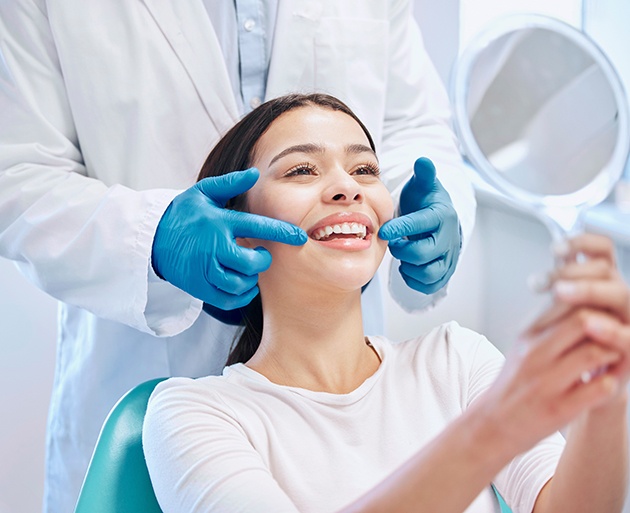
point(117, 480)
point(504, 507)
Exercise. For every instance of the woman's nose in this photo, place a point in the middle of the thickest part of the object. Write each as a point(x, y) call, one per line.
point(343, 189)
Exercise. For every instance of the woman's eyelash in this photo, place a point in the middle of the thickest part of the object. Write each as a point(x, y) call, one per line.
point(297, 170)
point(306, 168)
point(371, 169)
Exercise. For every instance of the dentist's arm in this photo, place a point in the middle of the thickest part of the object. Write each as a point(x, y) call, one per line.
point(417, 123)
point(75, 237)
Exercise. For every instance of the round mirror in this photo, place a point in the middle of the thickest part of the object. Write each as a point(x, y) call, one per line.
point(542, 116)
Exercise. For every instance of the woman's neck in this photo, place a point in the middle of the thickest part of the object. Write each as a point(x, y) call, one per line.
point(315, 343)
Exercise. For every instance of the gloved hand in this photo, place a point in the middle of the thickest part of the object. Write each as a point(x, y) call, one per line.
point(426, 238)
point(194, 247)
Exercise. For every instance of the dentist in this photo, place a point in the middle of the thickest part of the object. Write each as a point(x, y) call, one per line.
point(108, 111)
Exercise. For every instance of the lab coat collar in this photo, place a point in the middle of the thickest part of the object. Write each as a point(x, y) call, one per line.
point(189, 31)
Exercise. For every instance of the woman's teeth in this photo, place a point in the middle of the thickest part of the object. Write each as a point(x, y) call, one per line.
point(344, 228)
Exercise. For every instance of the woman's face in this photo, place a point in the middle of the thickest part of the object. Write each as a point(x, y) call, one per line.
point(317, 171)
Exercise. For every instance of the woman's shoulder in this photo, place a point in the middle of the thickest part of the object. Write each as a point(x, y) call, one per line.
point(453, 361)
point(185, 384)
point(447, 342)
point(208, 391)
point(447, 336)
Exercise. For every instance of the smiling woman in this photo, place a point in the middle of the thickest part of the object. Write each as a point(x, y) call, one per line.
point(306, 147)
point(312, 416)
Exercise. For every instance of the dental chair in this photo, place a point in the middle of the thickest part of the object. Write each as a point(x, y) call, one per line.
point(504, 507)
point(117, 480)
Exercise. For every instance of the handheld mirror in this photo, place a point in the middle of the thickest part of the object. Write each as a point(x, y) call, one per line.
point(542, 116)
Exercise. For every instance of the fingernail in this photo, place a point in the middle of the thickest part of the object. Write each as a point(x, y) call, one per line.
point(539, 282)
point(586, 377)
point(595, 326)
point(611, 384)
point(565, 289)
point(560, 249)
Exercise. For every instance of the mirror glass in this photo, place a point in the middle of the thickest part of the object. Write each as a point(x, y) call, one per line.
point(542, 116)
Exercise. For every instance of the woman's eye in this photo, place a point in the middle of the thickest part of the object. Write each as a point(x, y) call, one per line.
point(367, 169)
point(300, 171)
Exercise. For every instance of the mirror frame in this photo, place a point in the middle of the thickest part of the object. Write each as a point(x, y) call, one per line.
point(596, 190)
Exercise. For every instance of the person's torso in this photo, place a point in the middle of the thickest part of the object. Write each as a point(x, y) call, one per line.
point(150, 94)
point(326, 450)
point(149, 88)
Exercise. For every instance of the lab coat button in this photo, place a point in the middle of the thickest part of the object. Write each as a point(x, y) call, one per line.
point(249, 25)
point(254, 102)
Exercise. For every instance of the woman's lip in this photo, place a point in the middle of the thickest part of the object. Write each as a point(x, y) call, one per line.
point(352, 244)
point(343, 217)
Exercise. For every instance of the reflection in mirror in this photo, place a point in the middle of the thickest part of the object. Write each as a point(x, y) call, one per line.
point(542, 115)
point(532, 124)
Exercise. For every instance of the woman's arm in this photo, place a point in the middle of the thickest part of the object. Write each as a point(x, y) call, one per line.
point(593, 472)
point(446, 475)
point(585, 333)
point(200, 460)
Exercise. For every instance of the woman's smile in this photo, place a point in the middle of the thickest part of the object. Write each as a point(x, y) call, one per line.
point(352, 230)
point(349, 231)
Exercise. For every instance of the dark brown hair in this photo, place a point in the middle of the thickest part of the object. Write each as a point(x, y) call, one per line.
point(235, 152)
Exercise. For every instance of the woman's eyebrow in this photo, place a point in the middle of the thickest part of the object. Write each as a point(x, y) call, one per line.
point(359, 148)
point(299, 148)
point(318, 148)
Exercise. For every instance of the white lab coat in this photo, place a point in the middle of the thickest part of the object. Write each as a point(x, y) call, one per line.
point(108, 110)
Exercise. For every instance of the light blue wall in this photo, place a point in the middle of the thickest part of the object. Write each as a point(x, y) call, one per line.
point(27, 356)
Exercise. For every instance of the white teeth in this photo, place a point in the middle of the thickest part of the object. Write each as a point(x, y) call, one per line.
point(359, 230)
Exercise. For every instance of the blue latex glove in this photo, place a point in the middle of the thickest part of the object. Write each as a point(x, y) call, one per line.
point(194, 247)
point(426, 238)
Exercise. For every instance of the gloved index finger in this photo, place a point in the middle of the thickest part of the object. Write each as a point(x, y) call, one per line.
point(260, 227)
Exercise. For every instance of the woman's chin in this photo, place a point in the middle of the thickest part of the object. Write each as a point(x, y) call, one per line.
point(346, 281)
point(329, 271)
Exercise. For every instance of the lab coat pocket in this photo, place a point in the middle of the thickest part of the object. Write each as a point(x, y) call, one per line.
point(351, 57)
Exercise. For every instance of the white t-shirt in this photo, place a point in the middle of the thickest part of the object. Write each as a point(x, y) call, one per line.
point(240, 443)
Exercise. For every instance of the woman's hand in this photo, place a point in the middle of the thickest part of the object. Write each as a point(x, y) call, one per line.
point(589, 278)
point(574, 357)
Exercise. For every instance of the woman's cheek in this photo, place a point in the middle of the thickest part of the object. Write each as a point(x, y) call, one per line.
point(384, 206)
point(283, 203)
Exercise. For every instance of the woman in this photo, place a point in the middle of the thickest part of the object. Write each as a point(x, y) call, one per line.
point(312, 416)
